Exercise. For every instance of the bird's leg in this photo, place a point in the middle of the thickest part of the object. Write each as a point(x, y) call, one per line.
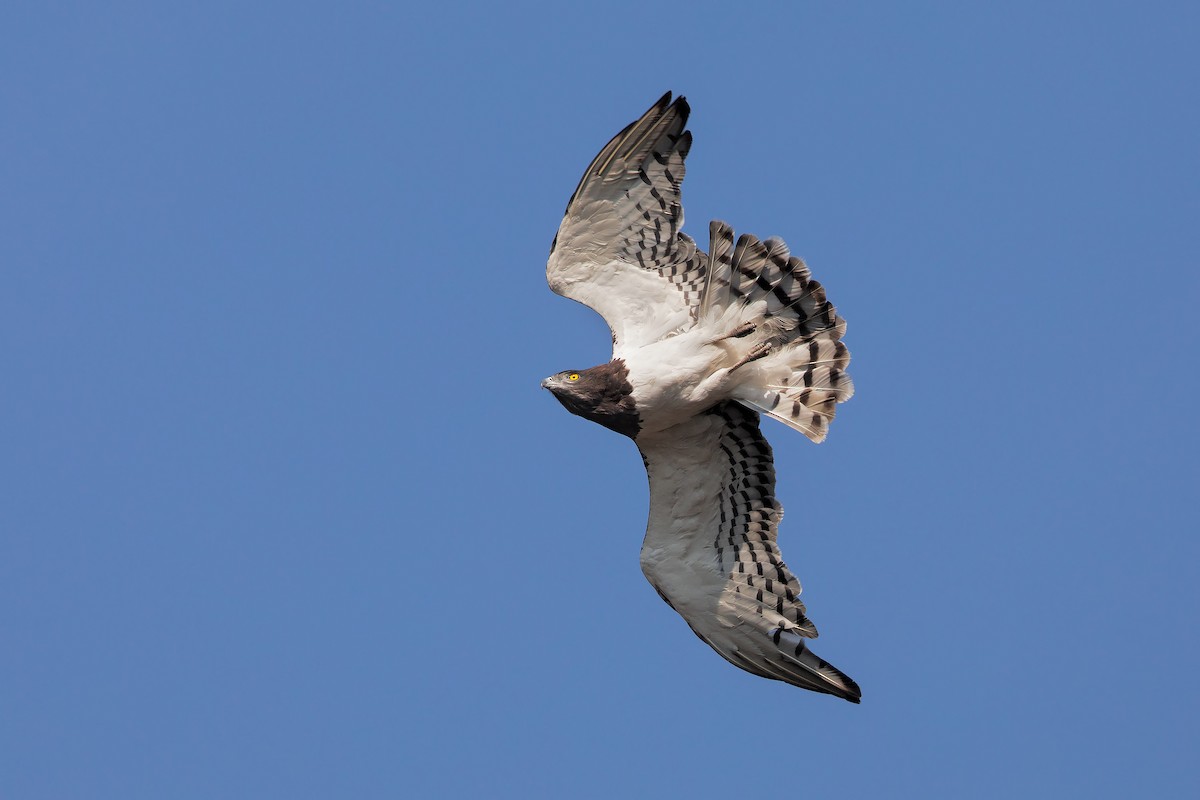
point(760, 350)
point(717, 383)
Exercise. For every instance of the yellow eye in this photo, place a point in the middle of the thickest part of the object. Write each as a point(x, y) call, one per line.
point(574, 376)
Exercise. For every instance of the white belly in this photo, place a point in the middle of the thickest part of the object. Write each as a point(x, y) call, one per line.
point(676, 378)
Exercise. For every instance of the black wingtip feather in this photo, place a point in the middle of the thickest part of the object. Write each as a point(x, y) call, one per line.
point(684, 108)
point(685, 144)
point(852, 694)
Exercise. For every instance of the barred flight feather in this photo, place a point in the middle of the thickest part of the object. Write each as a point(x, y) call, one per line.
point(731, 585)
point(626, 213)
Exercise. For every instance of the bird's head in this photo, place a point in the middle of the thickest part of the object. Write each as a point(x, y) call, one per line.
point(574, 388)
point(562, 379)
point(602, 394)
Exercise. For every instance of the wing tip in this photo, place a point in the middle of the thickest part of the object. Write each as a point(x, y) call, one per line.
point(853, 693)
point(840, 684)
point(682, 106)
point(819, 675)
point(665, 101)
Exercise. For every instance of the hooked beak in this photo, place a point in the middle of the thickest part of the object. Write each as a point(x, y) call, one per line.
point(546, 383)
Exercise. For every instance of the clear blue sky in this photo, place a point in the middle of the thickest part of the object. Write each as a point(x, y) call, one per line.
point(286, 514)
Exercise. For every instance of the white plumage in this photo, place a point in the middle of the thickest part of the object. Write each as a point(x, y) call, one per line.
point(700, 343)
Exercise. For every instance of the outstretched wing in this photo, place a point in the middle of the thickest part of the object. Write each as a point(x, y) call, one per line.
point(619, 249)
point(710, 548)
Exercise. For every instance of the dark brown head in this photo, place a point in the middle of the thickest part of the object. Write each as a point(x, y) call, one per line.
point(602, 394)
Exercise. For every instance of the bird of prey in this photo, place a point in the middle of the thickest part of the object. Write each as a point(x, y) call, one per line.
point(702, 343)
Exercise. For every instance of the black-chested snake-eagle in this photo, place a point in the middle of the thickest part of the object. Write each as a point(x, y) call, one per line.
point(701, 344)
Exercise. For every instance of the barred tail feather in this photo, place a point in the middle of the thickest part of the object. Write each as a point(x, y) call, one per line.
point(720, 248)
point(766, 277)
point(801, 385)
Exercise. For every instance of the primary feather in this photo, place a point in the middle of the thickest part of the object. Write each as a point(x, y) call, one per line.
point(701, 342)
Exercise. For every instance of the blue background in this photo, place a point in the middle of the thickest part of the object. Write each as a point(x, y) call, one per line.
point(286, 514)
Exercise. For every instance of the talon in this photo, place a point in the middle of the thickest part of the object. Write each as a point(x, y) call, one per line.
point(745, 330)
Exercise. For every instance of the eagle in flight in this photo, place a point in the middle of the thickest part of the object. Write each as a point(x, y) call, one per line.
point(702, 343)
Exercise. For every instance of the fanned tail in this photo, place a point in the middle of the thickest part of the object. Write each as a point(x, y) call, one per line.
point(803, 377)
